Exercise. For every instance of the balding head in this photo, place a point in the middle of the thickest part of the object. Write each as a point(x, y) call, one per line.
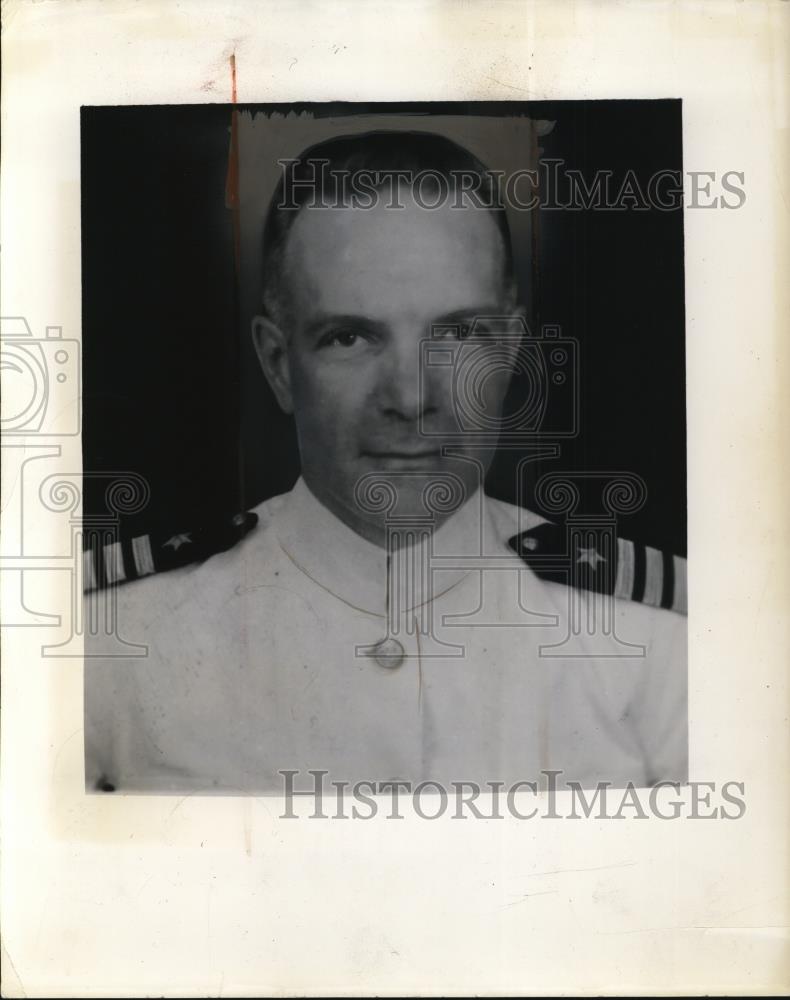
point(365, 171)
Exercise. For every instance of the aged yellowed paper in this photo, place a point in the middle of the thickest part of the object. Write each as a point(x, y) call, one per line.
point(200, 895)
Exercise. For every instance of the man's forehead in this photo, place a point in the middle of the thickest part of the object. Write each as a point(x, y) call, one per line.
point(350, 257)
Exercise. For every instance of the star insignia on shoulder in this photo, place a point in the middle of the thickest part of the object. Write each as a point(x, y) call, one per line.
point(632, 571)
point(177, 541)
point(590, 556)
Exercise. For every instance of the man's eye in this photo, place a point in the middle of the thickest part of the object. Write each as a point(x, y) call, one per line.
point(340, 338)
point(452, 331)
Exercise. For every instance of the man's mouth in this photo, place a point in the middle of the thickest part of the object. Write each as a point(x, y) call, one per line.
point(402, 453)
point(403, 456)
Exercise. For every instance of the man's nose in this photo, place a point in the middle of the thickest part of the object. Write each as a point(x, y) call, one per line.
point(403, 390)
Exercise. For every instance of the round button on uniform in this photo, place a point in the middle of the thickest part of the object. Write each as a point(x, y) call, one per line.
point(389, 653)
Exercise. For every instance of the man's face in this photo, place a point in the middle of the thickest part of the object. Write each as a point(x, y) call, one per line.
point(365, 288)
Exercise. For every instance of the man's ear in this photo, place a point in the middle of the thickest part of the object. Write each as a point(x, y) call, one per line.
point(271, 347)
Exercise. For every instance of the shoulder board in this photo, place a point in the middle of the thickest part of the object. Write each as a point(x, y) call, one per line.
point(107, 563)
point(594, 559)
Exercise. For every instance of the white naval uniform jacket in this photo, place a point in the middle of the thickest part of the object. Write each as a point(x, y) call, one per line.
point(261, 659)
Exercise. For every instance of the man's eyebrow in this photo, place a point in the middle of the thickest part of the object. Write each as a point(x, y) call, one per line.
point(359, 321)
point(489, 311)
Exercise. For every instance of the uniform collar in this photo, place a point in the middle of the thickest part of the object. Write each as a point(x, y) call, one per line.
point(358, 573)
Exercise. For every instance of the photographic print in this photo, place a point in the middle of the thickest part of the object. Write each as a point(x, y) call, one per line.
point(411, 467)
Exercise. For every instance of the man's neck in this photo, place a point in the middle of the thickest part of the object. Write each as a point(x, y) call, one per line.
point(376, 530)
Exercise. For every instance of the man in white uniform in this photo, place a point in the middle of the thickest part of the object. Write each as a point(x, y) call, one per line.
point(386, 620)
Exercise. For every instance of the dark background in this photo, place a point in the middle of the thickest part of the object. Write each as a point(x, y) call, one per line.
point(171, 387)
